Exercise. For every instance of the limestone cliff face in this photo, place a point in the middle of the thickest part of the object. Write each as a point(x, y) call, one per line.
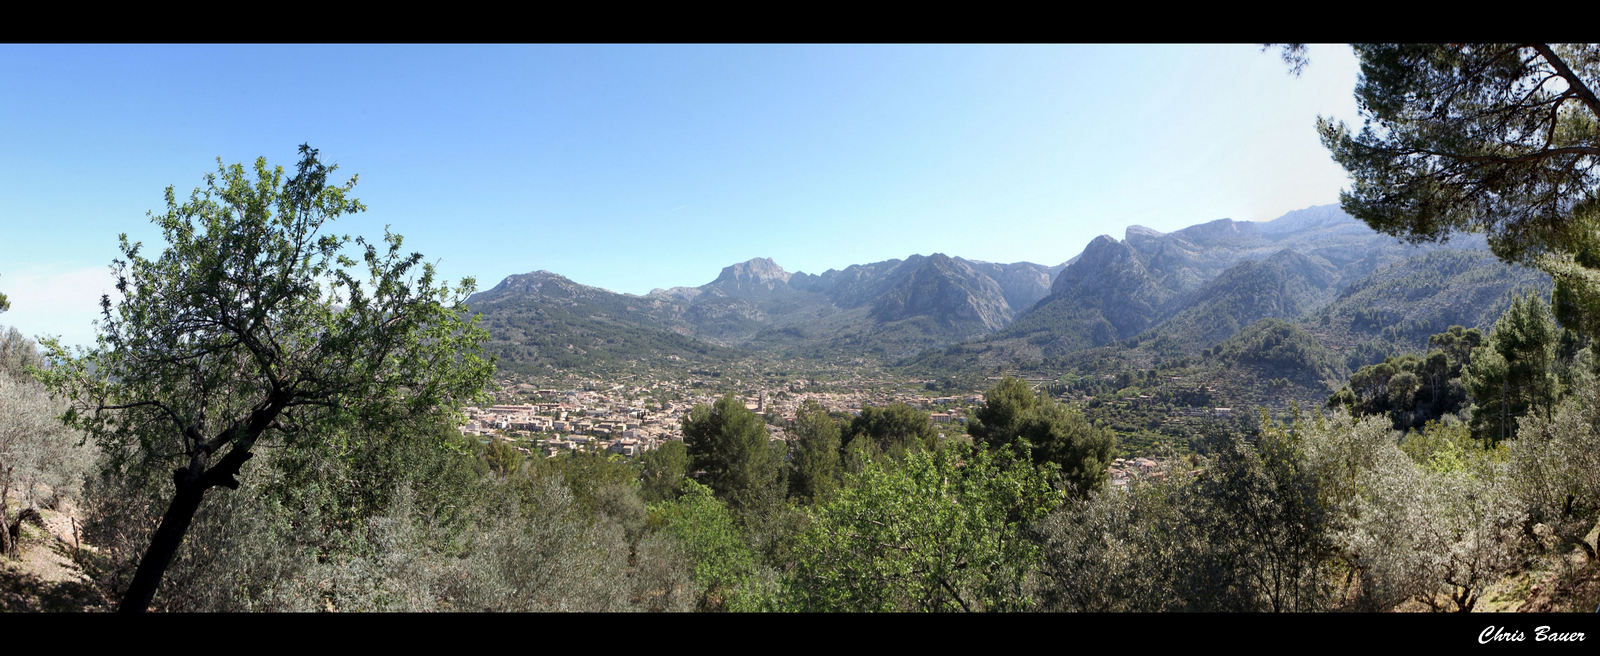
point(948, 291)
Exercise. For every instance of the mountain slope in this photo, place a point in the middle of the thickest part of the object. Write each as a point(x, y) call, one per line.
point(541, 322)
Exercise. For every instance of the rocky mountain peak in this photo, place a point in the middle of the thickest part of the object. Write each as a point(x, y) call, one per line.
point(757, 270)
point(1138, 234)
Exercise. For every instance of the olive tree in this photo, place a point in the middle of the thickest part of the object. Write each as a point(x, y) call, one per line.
point(37, 453)
point(251, 328)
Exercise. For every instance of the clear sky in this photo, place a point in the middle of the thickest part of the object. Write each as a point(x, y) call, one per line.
point(635, 167)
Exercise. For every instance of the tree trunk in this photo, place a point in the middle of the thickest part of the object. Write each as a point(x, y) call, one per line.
point(164, 544)
point(7, 547)
point(5, 535)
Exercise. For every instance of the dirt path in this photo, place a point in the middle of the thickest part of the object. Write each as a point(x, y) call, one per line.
point(44, 577)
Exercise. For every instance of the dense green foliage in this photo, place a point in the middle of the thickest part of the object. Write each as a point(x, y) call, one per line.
point(892, 429)
point(730, 453)
point(937, 531)
point(725, 567)
point(1413, 389)
point(662, 469)
point(815, 455)
point(1245, 533)
point(1280, 347)
point(1515, 370)
point(1013, 416)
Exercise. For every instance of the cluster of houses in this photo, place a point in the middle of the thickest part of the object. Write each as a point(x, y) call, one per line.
point(616, 421)
point(1123, 470)
point(566, 426)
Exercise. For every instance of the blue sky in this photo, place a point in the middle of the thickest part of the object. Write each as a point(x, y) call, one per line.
point(635, 167)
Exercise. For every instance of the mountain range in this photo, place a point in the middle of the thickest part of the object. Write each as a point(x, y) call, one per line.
point(540, 320)
point(1165, 296)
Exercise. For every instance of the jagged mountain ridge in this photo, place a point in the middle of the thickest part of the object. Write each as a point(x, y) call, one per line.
point(884, 308)
point(1117, 289)
point(1191, 287)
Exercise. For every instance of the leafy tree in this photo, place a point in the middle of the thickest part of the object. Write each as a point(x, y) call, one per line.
point(1497, 138)
point(1375, 500)
point(815, 454)
point(18, 354)
point(1555, 466)
point(1438, 526)
point(936, 531)
point(1456, 343)
point(250, 329)
point(1413, 390)
point(540, 551)
point(1120, 550)
point(1267, 524)
point(1012, 414)
point(728, 449)
point(725, 568)
point(362, 525)
point(893, 429)
point(1475, 527)
point(1515, 370)
point(1005, 408)
point(504, 459)
point(661, 470)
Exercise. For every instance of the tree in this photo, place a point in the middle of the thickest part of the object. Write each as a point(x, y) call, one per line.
point(1413, 390)
point(1261, 508)
point(539, 550)
point(725, 568)
point(1457, 343)
point(1555, 466)
point(36, 451)
point(728, 447)
point(1475, 527)
point(935, 531)
point(503, 458)
point(661, 471)
point(1122, 550)
point(1495, 138)
point(1514, 371)
point(1005, 408)
point(893, 429)
point(1012, 414)
point(18, 355)
point(816, 449)
point(249, 329)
